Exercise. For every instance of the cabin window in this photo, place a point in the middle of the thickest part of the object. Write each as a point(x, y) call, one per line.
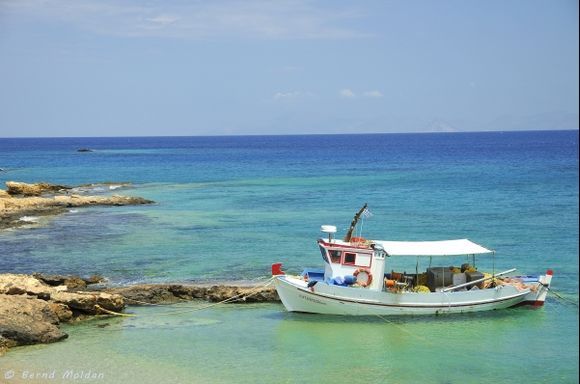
point(357, 259)
point(349, 258)
point(335, 256)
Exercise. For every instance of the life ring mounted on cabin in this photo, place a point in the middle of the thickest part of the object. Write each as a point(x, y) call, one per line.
point(363, 277)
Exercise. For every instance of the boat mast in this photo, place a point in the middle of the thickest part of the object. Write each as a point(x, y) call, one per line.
point(353, 223)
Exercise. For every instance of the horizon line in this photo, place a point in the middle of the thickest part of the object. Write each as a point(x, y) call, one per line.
point(291, 134)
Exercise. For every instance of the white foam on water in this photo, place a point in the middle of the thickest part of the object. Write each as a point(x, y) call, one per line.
point(29, 219)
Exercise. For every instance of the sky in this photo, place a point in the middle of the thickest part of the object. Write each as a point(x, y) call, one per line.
point(221, 67)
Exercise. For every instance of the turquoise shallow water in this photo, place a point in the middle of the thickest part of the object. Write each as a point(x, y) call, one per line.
point(263, 344)
point(229, 207)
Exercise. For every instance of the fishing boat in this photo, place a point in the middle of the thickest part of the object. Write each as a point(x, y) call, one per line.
point(355, 281)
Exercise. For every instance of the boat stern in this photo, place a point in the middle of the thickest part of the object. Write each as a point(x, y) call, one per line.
point(537, 296)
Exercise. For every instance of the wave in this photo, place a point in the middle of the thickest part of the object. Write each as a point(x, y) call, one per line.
point(29, 219)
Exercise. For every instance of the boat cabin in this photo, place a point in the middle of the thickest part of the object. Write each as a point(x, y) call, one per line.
point(362, 262)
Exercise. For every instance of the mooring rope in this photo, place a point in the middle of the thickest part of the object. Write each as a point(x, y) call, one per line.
point(109, 312)
point(562, 298)
point(239, 297)
point(183, 300)
point(397, 326)
point(403, 329)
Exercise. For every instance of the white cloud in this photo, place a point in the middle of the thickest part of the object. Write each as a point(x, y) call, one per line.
point(347, 93)
point(262, 19)
point(163, 19)
point(292, 95)
point(374, 94)
point(286, 95)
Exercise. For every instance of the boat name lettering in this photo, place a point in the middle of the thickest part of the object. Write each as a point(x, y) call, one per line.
point(311, 299)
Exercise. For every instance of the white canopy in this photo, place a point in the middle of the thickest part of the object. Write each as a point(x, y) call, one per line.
point(432, 248)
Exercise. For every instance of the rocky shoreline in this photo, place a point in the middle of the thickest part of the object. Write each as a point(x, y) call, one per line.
point(144, 294)
point(31, 309)
point(41, 199)
point(33, 306)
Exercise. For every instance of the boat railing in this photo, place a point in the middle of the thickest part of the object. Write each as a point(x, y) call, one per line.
point(454, 287)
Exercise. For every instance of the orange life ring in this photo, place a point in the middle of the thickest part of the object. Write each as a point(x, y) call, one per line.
point(369, 279)
point(357, 240)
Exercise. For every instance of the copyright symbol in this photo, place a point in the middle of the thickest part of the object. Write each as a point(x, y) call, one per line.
point(9, 374)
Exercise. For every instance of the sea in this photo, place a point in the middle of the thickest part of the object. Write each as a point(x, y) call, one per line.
point(226, 208)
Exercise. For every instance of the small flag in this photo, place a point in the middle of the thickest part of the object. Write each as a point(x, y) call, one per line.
point(366, 213)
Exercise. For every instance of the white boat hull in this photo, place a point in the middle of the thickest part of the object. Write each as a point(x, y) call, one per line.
point(337, 300)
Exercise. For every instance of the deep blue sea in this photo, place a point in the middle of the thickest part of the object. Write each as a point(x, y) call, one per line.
point(228, 207)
